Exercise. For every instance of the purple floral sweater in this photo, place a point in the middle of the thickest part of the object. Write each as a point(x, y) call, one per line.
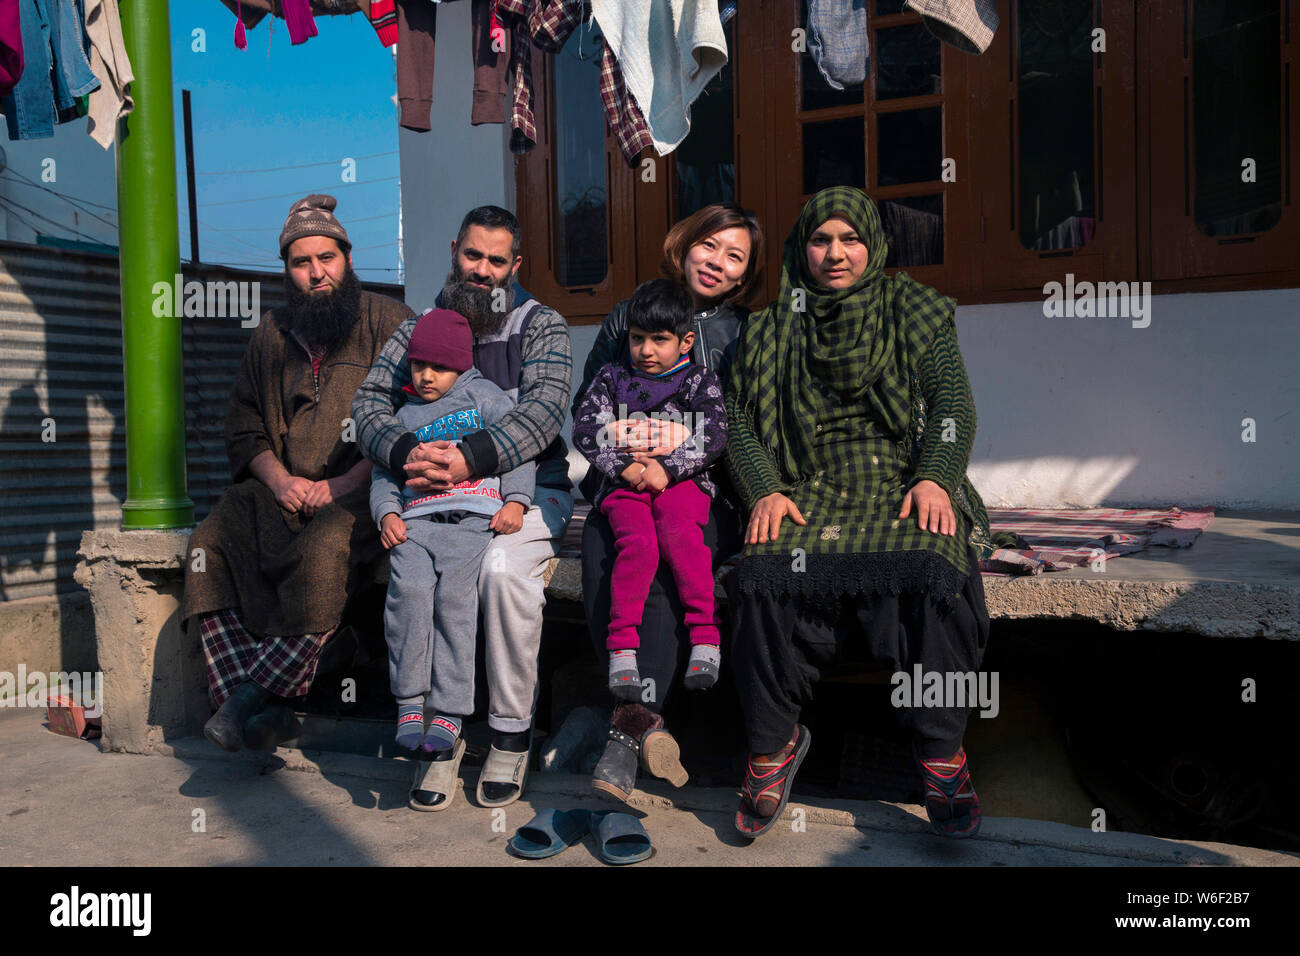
point(691, 395)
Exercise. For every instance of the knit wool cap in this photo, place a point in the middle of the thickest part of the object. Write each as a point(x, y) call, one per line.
point(312, 216)
point(442, 337)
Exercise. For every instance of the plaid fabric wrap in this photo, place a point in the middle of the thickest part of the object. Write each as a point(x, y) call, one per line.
point(621, 111)
point(546, 23)
point(837, 40)
point(282, 665)
point(830, 391)
point(967, 25)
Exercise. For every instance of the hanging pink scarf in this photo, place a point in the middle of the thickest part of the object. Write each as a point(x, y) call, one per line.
point(241, 37)
point(297, 15)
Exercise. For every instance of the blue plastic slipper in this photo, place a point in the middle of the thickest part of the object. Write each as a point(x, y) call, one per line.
point(620, 838)
point(550, 832)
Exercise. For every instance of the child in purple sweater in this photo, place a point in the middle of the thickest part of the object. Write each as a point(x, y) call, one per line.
point(657, 507)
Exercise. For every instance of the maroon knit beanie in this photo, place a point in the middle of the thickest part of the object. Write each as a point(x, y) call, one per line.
point(442, 337)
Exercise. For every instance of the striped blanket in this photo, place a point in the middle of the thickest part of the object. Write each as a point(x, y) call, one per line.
point(1051, 539)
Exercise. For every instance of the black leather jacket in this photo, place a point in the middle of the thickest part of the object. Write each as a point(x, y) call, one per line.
point(715, 331)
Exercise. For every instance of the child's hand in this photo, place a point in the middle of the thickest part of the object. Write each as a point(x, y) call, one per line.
point(654, 479)
point(392, 531)
point(509, 519)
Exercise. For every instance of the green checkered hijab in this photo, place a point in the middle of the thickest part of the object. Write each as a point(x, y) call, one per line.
point(854, 345)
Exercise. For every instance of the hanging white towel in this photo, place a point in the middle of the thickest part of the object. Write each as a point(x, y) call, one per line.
point(668, 51)
point(109, 63)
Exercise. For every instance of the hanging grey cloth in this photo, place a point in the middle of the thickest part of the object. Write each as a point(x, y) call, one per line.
point(837, 40)
point(968, 25)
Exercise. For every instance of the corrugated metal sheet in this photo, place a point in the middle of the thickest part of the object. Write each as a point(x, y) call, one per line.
point(61, 359)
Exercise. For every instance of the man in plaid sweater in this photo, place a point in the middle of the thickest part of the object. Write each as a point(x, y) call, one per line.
point(524, 348)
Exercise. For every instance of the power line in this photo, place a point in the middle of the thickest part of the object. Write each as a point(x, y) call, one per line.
point(33, 182)
point(350, 221)
point(276, 169)
point(58, 225)
point(298, 192)
point(69, 200)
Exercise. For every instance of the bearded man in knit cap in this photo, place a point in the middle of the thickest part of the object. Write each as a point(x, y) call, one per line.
point(523, 347)
point(289, 543)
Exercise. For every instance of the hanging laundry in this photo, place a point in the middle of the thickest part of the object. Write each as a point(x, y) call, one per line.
point(383, 17)
point(417, 22)
point(490, 48)
point(53, 41)
point(667, 51)
point(109, 62)
point(967, 25)
point(837, 40)
point(297, 16)
point(11, 46)
point(621, 110)
point(251, 12)
point(523, 127)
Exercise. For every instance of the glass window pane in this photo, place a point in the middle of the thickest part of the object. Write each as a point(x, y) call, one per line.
point(909, 146)
point(834, 154)
point(1058, 207)
point(706, 162)
point(1237, 109)
point(914, 230)
point(816, 92)
point(581, 216)
point(907, 62)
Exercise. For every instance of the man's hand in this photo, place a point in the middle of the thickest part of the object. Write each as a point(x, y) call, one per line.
point(435, 466)
point(322, 493)
point(765, 520)
point(292, 492)
point(392, 531)
point(509, 519)
point(933, 507)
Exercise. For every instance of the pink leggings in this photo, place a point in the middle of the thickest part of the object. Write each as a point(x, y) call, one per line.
point(645, 527)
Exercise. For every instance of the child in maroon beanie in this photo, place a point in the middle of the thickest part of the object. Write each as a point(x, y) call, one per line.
point(437, 540)
point(657, 506)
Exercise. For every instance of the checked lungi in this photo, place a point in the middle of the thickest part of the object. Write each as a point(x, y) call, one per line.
point(282, 665)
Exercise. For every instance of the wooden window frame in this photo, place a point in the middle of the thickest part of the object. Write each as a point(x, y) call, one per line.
point(1140, 235)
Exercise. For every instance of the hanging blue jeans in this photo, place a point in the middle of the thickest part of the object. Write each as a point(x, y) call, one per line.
point(57, 70)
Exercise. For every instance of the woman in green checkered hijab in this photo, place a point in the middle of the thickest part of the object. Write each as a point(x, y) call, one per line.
point(864, 534)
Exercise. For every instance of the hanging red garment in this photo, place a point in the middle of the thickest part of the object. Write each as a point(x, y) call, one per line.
point(11, 47)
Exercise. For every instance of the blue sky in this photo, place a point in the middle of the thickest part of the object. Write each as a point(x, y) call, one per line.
point(275, 105)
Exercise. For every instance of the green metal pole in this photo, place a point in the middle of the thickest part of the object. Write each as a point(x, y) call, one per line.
point(150, 253)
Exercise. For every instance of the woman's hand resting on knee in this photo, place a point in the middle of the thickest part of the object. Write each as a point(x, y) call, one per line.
point(765, 519)
point(933, 507)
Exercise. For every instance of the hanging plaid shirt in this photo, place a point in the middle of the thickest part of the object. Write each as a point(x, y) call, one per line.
point(548, 25)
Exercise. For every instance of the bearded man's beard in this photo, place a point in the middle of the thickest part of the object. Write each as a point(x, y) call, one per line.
point(476, 304)
point(324, 319)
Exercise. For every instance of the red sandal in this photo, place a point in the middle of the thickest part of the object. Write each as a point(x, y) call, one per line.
point(953, 795)
point(748, 822)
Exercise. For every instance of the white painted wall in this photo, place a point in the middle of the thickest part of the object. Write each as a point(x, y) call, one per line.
point(82, 169)
point(1079, 412)
point(452, 168)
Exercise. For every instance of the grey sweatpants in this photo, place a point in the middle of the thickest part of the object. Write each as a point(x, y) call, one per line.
point(511, 591)
point(431, 613)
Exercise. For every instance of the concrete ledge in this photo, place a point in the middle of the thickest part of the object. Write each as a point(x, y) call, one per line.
point(869, 815)
point(48, 634)
point(1240, 579)
point(154, 686)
